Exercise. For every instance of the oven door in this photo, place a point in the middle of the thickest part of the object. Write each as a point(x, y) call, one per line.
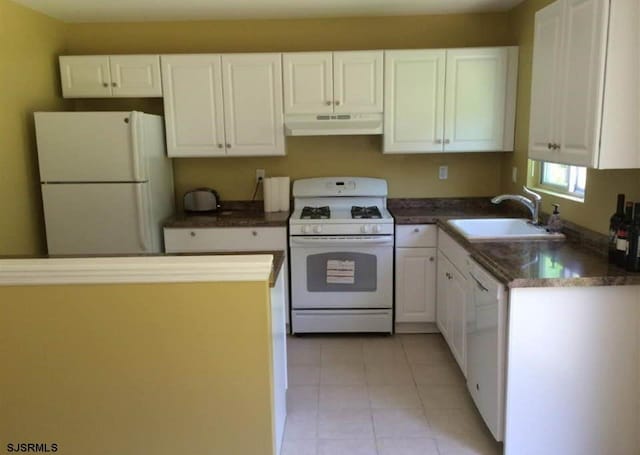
point(350, 272)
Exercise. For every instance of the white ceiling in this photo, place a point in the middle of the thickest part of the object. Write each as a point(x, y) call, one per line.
point(165, 10)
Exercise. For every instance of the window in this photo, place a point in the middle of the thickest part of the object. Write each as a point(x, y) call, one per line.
point(562, 179)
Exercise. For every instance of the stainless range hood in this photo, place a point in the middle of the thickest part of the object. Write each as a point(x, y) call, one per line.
point(332, 124)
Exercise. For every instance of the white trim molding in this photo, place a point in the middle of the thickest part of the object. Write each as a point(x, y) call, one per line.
point(143, 269)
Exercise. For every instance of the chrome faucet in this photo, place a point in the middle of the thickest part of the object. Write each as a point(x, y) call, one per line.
point(532, 204)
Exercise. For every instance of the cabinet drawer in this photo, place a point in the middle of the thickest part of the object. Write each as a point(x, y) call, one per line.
point(203, 240)
point(417, 235)
point(458, 256)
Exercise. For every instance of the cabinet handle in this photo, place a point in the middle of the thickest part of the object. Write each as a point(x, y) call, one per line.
point(416, 230)
point(431, 259)
point(254, 233)
point(337, 103)
point(438, 141)
point(220, 146)
point(556, 146)
point(328, 103)
point(193, 234)
point(104, 84)
point(549, 145)
point(447, 141)
point(113, 84)
point(228, 146)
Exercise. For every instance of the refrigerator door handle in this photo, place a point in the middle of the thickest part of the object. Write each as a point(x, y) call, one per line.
point(136, 136)
point(141, 211)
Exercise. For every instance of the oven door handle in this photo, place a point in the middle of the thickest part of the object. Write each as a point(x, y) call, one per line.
point(326, 241)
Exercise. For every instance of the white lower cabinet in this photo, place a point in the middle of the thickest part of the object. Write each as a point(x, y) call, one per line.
point(452, 296)
point(215, 239)
point(451, 305)
point(415, 284)
point(415, 278)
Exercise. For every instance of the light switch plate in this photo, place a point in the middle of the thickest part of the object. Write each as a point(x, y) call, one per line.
point(259, 174)
point(443, 172)
point(514, 174)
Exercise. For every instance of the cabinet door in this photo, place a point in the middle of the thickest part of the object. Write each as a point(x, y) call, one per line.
point(547, 44)
point(414, 101)
point(254, 123)
point(357, 81)
point(475, 99)
point(308, 82)
point(582, 80)
point(456, 308)
point(193, 111)
point(415, 285)
point(135, 75)
point(85, 76)
point(442, 293)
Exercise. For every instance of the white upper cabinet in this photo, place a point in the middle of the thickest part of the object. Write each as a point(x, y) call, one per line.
point(475, 99)
point(85, 76)
point(414, 100)
point(252, 87)
point(579, 116)
point(357, 81)
point(546, 58)
point(104, 76)
point(308, 82)
point(475, 113)
point(193, 110)
point(227, 105)
point(333, 82)
point(135, 75)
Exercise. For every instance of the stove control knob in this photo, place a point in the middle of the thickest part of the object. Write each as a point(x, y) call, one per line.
point(317, 229)
point(364, 229)
point(306, 229)
point(376, 229)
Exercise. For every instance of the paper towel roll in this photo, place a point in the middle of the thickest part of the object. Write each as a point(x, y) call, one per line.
point(283, 194)
point(270, 191)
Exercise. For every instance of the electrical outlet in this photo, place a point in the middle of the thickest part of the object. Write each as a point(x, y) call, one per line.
point(259, 175)
point(443, 172)
point(514, 174)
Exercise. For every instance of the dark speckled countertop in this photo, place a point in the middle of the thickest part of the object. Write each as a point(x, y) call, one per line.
point(231, 214)
point(580, 260)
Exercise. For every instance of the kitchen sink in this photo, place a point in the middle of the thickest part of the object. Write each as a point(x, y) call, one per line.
point(501, 229)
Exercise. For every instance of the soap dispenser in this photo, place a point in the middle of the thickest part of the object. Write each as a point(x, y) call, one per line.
point(555, 224)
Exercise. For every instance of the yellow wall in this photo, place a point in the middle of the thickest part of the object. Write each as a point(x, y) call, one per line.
point(410, 176)
point(602, 186)
point(137, 369)
point(29, 45)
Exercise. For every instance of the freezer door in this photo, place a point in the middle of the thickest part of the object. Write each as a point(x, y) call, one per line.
point(90, 146)
point(97, 218)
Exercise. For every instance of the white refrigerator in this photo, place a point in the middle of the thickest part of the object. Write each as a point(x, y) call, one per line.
point(107, 184)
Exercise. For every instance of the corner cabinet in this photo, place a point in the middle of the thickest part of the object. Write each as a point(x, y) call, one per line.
point(579, 116)
point(347, 82)
point(455, 100)
point(223, 105)
point(110, 76)
point(415, 278)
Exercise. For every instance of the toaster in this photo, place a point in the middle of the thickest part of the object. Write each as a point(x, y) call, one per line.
point(201, 200)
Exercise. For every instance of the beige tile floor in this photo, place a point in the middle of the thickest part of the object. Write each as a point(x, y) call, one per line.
point(379, 395)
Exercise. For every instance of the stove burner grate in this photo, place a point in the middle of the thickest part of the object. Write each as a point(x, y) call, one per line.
point(316, 213)
point(365, 212)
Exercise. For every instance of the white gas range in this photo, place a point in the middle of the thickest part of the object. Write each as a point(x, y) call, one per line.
point(341, 237)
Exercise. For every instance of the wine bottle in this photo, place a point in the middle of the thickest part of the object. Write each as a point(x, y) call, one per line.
point(622, 238)
point(614, 224)
point(633, 255)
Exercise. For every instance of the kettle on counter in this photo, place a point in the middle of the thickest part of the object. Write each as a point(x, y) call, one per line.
point(201, 200)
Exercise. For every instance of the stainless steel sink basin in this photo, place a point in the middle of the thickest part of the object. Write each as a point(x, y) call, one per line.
point(501, 229)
